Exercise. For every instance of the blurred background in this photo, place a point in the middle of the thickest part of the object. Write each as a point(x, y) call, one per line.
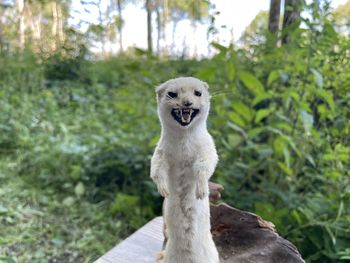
point(78, 119)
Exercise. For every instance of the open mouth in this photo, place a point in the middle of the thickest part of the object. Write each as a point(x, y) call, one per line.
point(184, 116)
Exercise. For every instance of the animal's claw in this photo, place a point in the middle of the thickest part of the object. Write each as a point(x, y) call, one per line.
point(201, 191)
point(163, 190)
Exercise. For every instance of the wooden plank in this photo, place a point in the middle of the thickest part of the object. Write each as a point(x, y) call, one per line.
point(141, 247)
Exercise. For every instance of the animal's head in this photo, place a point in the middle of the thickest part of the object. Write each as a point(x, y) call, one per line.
point(183, 102)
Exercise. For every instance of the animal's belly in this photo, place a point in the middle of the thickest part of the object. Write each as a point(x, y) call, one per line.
point(181, 178)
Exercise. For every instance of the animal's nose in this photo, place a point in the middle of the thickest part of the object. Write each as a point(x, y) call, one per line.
point(187, 103)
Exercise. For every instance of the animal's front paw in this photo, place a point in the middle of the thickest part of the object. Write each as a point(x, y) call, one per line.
point(163, 189)
point(202, 190)
point(161, 183)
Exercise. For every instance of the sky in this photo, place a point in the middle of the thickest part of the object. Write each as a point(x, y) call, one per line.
point(235, 15)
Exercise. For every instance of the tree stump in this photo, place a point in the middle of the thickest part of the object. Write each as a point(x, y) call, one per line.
point(243, 237)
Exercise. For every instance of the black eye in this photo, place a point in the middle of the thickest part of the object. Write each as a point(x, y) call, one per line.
point(172, 94)
point(197, 93)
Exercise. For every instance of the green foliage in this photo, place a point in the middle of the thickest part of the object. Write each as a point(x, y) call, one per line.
point(285, 146)
point(77, 148)
point(77, 135)
point(59, 68)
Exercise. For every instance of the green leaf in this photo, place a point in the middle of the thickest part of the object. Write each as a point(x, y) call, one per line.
point(292, 145)
point(308, 121)
point(261, 97)
point(274, 75)
point(282, 126)
point(236, 119)
point(242, 110)
point(231, 71)
point(255, 131)
point(58, 241)
point(340, 211)
point(124, 203)
point(261, 114)
point(310, 159)
point(68, 201)
point(3, 210)
point(318, 77)
point(264, 152)
point(328, 97)
point(234, 140)
point(206, 73)
point(237, 128)
point(331, 234)
point(296, 215)
point(79, 189)
point(279, 144)
point(219, 47)
point(285, 169)
point(251, 83)
point(286, 154)
point(153, 142)
point(75, 172)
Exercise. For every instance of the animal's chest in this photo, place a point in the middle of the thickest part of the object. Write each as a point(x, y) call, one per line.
point(182, 157)
point(182, 154)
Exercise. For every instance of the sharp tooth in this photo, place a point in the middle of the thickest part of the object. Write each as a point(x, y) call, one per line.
point(177, 112)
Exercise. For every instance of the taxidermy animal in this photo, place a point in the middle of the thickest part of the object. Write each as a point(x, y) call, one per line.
point(183, 161)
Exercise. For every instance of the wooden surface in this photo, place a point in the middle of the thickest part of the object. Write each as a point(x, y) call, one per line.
point(141, 247)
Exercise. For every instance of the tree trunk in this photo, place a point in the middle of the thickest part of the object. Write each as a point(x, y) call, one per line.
point(195, 47)
point(38, 31)
point(20, 9)
point(35, 35)
point(1, 37)
point(164, 26)
point(159, 25)
point(274, 16)
point(54, 26)
point(245, 237)
point(103, 34)
point(149, 9)
point(120, 24)
point(173, 36)
point(60, 24)
point(1, 31)
point(291, 17)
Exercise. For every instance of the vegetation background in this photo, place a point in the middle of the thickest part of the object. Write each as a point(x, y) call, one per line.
point(77, 128)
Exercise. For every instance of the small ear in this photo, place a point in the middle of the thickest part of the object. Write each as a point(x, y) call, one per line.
point(205, 85)
point(160, 89)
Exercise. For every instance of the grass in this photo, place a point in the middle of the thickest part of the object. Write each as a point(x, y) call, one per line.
point(36, 225)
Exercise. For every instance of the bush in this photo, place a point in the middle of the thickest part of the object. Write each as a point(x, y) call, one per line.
point(82, 133)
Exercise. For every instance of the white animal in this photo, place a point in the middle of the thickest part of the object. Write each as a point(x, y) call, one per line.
point(183, 161)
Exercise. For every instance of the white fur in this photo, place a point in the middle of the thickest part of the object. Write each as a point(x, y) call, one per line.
point(183, 161)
